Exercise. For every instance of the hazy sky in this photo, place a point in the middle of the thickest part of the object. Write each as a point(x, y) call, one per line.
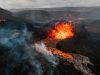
point(17, 4)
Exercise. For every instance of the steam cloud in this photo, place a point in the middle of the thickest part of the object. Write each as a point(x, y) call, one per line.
point(81, 62)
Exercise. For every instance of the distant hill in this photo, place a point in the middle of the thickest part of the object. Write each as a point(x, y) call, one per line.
point(35, 16)
point(62, 13)
point(5, 13)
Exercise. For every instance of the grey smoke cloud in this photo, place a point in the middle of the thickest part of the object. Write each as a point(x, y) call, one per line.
point(17, 4)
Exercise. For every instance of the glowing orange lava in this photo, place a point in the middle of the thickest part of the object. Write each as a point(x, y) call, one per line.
point(61, 30)
point(61, 53)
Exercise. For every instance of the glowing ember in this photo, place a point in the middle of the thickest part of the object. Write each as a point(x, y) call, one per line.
point(61, 53)
point(62, 30)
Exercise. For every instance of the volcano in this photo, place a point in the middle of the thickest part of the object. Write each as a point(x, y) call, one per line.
point(54, 47)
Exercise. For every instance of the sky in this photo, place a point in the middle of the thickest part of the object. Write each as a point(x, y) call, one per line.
point(19, 4)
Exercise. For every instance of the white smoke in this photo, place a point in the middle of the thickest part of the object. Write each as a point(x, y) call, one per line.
point(41, 48)
point(80, 63)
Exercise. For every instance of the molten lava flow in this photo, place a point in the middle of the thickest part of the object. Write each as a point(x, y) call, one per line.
point(62, 30)
point(61, 53)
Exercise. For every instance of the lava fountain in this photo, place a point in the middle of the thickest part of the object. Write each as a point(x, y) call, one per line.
point(61, 30)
